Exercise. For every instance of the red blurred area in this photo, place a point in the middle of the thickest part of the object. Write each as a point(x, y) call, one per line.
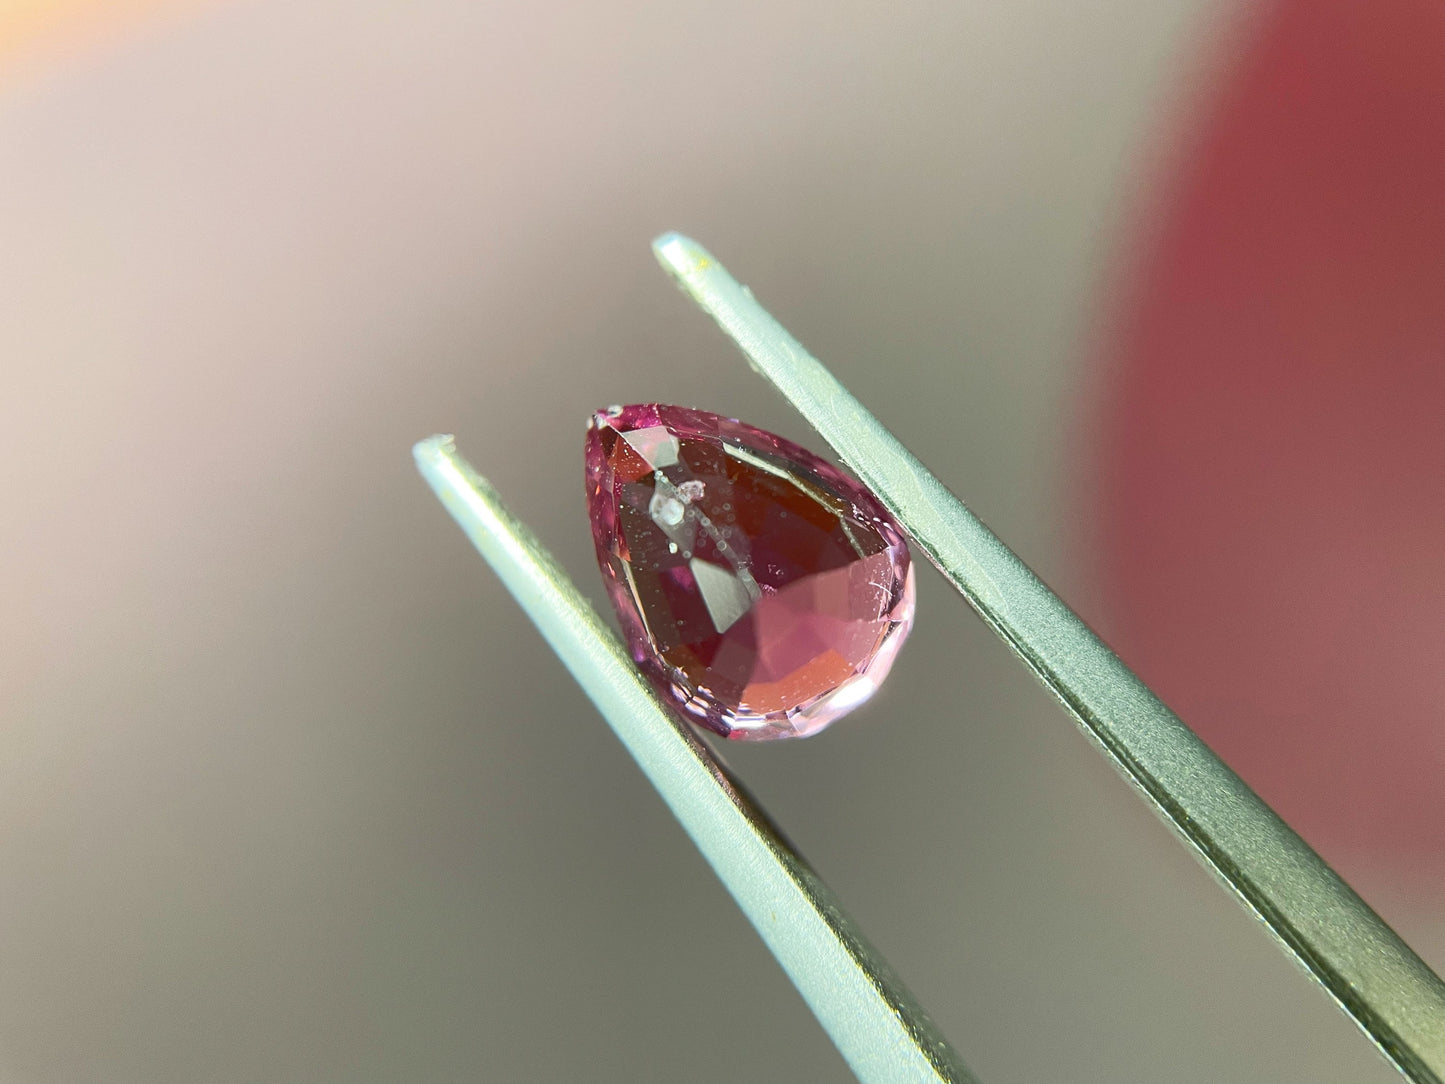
point(1275, 444)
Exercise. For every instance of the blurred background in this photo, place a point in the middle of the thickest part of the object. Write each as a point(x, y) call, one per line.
point(289, 791)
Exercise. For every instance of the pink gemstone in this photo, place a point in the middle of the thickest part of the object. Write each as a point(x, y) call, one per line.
point(763, 593)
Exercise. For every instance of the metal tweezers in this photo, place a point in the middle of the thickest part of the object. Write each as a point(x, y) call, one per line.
point(877, 1026)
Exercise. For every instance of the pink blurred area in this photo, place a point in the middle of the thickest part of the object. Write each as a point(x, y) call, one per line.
point(1274, 453)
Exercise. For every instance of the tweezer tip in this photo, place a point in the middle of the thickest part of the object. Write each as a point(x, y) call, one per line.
point(434, 450)
point(439, 445)
point(681, 255)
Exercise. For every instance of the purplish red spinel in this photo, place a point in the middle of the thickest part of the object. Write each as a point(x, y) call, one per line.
point(762, 591)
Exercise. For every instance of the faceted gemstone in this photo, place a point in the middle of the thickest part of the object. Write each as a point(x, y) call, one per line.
point(761, 591)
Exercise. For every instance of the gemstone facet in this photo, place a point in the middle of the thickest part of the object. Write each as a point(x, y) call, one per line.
point(761, 591)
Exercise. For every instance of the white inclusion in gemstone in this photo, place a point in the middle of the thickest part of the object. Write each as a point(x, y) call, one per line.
point(692, 490)
point(657, 444)
point(665, 511)
point(726, 596)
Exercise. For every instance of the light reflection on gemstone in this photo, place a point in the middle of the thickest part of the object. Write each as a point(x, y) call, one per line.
point(656, 444)
point(762, 591)
point(726, 596)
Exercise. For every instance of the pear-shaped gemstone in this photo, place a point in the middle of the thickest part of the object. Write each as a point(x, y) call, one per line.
point(763, 592)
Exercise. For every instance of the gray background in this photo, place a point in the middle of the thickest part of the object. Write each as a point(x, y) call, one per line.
point(291, 792)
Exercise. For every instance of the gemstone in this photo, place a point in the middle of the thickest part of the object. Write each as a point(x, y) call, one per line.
point(762, 592)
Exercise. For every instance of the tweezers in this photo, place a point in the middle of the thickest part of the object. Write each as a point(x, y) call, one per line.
point(876, 1025)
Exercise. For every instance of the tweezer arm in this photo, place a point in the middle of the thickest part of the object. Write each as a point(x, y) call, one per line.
point(1371, 972)
point(876, 1025)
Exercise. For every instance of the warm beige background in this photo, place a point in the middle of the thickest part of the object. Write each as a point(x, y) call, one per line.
point(291, 793)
